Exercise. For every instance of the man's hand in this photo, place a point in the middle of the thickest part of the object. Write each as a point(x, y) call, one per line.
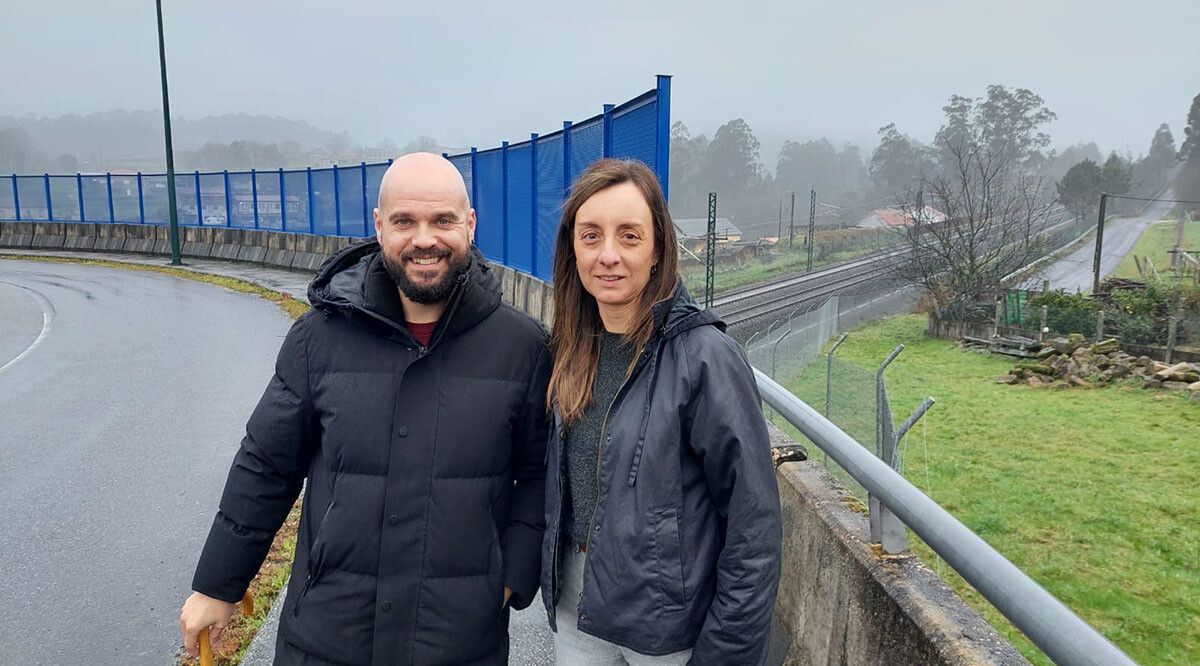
point(203, 612)
point(507, 594)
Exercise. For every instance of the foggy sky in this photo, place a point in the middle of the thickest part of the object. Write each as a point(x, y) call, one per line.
point(476, 73)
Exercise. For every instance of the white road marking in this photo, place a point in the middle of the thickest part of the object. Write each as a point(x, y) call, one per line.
point(47, 317)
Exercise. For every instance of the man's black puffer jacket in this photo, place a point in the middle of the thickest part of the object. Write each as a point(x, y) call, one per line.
point(425, 473)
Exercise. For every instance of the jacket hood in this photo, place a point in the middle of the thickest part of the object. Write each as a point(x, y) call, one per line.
point(355, 282)
point(681, 313)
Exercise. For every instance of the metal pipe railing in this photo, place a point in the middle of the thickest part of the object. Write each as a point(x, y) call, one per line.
point(1053, 627)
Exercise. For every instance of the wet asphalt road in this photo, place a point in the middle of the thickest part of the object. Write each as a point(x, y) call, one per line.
point(123, 397)
point(1074, 271)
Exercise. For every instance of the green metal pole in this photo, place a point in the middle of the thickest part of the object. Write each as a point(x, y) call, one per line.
point(710, 251)
point(162, 62)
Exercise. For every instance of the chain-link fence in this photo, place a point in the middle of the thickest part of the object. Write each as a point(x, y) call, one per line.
point(799, 354)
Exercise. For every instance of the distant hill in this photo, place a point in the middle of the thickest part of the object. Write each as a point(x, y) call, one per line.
point(115, 138)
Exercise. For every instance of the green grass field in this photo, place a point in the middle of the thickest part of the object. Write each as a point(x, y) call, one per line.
point(1093, 493)
point(1155, 243)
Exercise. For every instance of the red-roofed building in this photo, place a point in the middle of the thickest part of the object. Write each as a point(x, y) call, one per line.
point(891, 218)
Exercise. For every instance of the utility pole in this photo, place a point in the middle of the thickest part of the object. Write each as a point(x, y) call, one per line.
point(1099, 245)
point(710, 259)
point(812, 225)
point(780, 234)
point(792, 224)
point(162, 63)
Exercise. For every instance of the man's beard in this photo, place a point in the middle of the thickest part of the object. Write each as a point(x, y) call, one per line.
point(428, 293)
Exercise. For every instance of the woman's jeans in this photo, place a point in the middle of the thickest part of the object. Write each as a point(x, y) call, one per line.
point(572, 647)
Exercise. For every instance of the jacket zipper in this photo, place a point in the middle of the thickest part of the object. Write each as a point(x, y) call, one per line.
point(423, 350)
point(587, 547)
point(558, 529)
point(313, 572)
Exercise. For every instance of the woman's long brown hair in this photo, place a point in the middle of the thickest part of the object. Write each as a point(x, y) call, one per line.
point(577, 331)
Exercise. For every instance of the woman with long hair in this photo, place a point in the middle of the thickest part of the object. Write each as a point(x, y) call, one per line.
point(663, 522)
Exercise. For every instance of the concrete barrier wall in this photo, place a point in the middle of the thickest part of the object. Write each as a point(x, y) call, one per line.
point(839, 602)
point(842, 603)
point(272, 248)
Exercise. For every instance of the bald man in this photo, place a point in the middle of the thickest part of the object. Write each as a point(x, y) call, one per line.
point(409, 405)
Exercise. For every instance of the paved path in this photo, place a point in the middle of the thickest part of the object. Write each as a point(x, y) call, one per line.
point(123, 396)
point(1073, 272)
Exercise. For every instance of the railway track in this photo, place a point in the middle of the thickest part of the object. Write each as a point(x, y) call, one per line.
point(780, 296)
point(745, 305)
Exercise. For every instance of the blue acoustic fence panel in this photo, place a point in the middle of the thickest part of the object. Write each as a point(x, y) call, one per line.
point(520, 207)
point(31, 190)
point(463, 164)
point(154, 199)
point(95, 199)
point(269, 203)
point(549, 202)
point(489, 206)
point(587, 145)
point(635, 132)
point(212, 199)
point(517, 193)
point(241, 200)
point(64, 194)
point(8, 207)
point(295, 186)
point(324, 219)
point(185, 199)
point(125, 198)
point(374, 180)
point(350, 193)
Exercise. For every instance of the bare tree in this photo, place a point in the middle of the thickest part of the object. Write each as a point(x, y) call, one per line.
point(993, 210)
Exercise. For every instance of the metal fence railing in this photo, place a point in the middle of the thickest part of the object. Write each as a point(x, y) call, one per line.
point(517, 189)
point(1053, 627)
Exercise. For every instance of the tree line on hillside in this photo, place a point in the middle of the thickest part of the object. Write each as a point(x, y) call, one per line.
point(1009, 123)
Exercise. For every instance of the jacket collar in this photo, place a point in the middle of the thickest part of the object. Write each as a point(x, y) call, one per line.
point(680, 312)
point(355, 282)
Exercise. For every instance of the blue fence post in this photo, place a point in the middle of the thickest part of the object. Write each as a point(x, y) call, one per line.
point(282, 202)
point(337, 203)
point(228, 200)
point(533, 208)
point(364, 198)
point(504, 202)
point(141, 201)
point(254, 194)
point(662, 139)
point(16, 197)
point(566, 158)
point(199, 203)
point(112, 210)
point(474, 181)
point(312, 210)
point(49, 204)
point(608, 134)
point(79, 187)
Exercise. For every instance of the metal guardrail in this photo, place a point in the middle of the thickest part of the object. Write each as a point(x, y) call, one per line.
point(1053, 627)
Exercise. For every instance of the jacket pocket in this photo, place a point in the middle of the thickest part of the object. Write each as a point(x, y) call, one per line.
point(668, 557)
point(316, 555)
